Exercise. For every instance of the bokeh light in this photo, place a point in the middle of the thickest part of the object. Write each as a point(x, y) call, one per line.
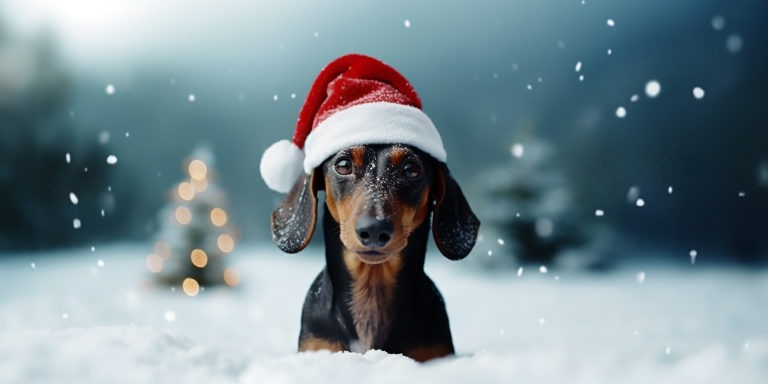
point(197, 170)
point(183, 215)
point(226, 243)
point(231, 277)
point(154, 263)
point(186, 191)
point(199, 258)
point(190, 286)
point(218, 217)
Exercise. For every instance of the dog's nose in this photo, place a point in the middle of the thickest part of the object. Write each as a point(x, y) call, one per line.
point(373, 232)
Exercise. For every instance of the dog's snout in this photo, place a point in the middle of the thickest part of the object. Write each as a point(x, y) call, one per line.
point(374, 232)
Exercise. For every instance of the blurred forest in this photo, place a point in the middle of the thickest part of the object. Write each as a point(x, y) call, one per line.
point(136, 82)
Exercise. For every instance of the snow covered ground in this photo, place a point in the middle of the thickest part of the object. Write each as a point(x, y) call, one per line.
point(82, 316)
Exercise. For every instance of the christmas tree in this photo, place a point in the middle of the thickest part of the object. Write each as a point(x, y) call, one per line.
point(196, 233)
point(529, 209)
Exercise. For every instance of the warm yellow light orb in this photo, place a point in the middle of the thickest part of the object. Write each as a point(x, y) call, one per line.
point(199, 258)
point(183, 215)
point(218, 217)
point(154, 263)
point(190, 286)
point(226, 243)
point(231, 277)
point(197, 170)
point(186, 191)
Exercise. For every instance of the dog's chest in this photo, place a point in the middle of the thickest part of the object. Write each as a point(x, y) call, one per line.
point(372, 291)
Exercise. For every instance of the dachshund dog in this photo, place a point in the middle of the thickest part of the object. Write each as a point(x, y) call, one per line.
point(373, 292)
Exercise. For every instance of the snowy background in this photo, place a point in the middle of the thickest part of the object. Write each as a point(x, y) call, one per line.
point(96, 316)
point(615, 152)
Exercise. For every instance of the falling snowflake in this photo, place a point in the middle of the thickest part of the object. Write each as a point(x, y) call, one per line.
point(621, 112)
point(111, 159)
point(73, 198)
point(718, 23)
point(610, 22)
point(191, 98)
point(599, 213)
point(698, 93)
point(110, 89)
point(407, 23)
point(169, 316)
point(517, 150)
point(734, 44)
point(652, 88)
point(76, 223)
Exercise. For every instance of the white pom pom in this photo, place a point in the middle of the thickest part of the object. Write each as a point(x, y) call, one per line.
point(281, 165)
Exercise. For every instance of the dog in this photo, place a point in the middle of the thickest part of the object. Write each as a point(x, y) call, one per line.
point(373, 292)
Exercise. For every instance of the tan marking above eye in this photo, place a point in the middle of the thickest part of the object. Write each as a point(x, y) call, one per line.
point(358, 157)
point(397, 155)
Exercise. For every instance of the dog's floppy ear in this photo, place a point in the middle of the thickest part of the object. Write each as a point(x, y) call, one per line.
point(454, 225)
point(293, 222)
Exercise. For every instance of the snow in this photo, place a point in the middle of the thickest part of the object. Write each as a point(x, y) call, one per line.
point(111, 159)
point(652, 88)
point(718, 23)
point(60, 323)
point(610, 23)
point(73, 198)
point(621, 112)
point(110, 89)
point(517, 150)
point(191, 98)
point(698, 93)
point(734, 43)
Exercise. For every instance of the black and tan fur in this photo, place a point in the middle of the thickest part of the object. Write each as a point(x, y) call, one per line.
point(373, 292)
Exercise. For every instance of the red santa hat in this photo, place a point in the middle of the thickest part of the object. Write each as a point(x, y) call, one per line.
point(355, 100)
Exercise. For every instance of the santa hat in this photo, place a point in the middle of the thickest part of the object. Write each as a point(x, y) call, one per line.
point(355, 100)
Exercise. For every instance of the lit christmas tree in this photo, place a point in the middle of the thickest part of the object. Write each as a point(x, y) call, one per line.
point(196, 233)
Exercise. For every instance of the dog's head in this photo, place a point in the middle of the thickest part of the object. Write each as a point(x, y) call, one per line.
point(379, 194)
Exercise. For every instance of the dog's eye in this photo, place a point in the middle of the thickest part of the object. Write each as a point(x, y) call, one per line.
point(343, 166)
point(411, 169)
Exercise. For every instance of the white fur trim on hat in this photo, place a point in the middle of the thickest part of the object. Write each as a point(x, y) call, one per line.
point(372, 123)
point(281, 165)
